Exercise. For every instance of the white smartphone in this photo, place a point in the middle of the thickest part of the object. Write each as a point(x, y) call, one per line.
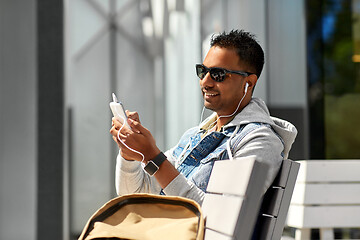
point(118, 111)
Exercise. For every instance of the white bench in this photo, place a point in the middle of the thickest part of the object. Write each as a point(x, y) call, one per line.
point(326, 196)
point(275, 204)
point(233, 202)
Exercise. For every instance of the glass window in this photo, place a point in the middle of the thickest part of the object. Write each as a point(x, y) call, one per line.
point(334, 78)
point(341, 29)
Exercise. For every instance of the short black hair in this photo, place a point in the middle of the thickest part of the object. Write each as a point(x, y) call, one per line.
point(245, 45)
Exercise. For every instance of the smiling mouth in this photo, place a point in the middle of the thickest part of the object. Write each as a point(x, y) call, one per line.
point(207, 94)
point(211, 94)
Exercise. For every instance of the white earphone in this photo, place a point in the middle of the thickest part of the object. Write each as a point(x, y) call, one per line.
point(246, 87)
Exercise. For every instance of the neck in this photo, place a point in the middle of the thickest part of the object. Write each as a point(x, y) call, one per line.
point(221, 121)
point(224, 119)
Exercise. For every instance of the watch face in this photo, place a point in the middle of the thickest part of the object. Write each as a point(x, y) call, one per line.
point(151, 168)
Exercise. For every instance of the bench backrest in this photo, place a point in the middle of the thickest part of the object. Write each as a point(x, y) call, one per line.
point(326, 195)
point(232, 202)
point(276, 202)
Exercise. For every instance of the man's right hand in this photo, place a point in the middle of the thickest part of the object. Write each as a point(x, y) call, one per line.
point(136, 137)
point(116, 125)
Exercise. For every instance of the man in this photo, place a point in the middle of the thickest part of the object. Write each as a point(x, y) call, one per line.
point(240, 126)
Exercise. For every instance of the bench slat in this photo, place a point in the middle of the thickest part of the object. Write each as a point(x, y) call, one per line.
point(272, 201)
point(221, 212)
point(212, 235)
point(282, 178)
point(267, 227)
point(225, 177)
point(336, 193)
point(324, 216)
point(329, 171)
point(234, 207)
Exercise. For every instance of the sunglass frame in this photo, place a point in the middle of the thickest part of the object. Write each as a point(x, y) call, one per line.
point(222, 76)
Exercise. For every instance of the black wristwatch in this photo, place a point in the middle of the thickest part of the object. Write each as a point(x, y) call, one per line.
point(153, 165)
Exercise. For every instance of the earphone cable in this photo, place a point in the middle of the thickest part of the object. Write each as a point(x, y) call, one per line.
point(230, 115)
point(131, 149)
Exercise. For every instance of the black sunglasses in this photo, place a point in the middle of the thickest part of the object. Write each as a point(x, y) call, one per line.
point(217, 74)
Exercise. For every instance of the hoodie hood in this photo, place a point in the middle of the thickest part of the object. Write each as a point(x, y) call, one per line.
point(286, 131)
point(257, 111)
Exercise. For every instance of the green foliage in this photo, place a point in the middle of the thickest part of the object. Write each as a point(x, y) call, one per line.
point(342, 128)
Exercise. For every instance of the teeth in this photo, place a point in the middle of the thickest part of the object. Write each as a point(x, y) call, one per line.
point(210, 94)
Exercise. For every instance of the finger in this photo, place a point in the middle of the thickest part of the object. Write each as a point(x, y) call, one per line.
point(117, 142)
point(116, 136)
point(113, 131)
point(119, 126)
point(116, 123)
point(113, 122)
point(122, 135)
point(137, 127)
point(125, 130)
point(133, 115)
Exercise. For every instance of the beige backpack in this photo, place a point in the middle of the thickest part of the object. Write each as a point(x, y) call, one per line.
point(146, 217)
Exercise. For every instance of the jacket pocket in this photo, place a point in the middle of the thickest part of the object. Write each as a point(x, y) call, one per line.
point(201, 178)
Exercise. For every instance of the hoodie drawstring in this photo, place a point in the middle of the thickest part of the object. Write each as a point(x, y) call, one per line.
point(228, 147)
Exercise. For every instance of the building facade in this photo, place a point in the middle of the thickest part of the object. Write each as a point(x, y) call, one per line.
point(61, 60)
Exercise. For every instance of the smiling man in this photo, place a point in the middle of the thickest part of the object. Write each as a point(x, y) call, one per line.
point(240, 126)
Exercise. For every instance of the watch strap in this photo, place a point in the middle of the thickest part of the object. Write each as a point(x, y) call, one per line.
point(159, 159)
point(153, 165)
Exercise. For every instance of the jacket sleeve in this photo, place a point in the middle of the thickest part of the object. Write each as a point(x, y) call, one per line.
point(182, 187)
point(263, 143)
point(130, 178)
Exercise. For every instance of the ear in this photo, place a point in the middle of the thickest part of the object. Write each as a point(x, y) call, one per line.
point(251, 80)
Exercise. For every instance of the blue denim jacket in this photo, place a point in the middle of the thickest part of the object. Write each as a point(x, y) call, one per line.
point(196, 154)
point(253, 132)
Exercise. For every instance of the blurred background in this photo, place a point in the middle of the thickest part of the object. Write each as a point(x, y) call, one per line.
point(61, 60)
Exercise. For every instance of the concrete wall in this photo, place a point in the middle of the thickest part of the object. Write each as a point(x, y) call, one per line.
point(18, 119)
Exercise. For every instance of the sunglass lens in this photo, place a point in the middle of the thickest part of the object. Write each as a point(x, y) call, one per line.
point(200, 71)
point(217, 74)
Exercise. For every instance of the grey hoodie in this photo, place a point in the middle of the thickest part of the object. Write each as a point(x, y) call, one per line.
point(271, 142)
